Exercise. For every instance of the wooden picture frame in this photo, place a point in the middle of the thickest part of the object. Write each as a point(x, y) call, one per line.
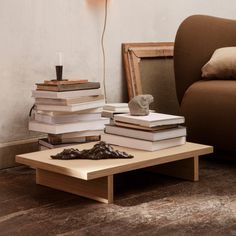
point(133, 53)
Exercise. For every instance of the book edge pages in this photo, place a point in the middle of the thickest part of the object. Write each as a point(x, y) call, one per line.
point(148, 123)
point(146, 135)
point(142, 144)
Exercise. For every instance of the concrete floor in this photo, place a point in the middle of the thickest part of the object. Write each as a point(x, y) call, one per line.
point(147, 204)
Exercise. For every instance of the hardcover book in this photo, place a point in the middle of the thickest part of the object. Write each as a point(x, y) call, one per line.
point(142, 144)
point(72, 107)
point(116, 107)
point(110, 114)
point(68, 128)
point(48, 145)
point(51, 118)
point(66, 94)
point(151, 120)
point(68, 87)
point(69, 101)
point(65, 81)
point(146, 135)
point(72, 135)
point(139, 127)
point(87, 136)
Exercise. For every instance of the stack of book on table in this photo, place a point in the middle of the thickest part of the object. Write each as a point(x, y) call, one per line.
point(68, 112)
point(153, 132)
point(111, 109)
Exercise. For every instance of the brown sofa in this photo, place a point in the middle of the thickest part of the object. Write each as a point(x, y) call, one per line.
point(209, 106)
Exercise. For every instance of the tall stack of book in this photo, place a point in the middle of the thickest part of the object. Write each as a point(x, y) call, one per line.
point(111, 109)
point(69, 112)
point(153, 132)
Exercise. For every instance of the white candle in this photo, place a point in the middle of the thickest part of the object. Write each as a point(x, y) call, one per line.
point(60, 58)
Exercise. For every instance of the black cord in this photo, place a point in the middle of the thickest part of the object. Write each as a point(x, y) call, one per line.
point(31, 109)
point(103, 51)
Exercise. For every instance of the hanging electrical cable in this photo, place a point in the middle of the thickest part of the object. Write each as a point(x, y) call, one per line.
point(104, 52)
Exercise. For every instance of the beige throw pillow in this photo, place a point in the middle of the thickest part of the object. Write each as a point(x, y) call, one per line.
point(222, 64)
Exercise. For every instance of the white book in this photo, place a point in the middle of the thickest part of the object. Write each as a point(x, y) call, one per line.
point(66, 94)
point(139, 127)
point(142, 144)
point(67, 128)
point(64, 113)
point(66, 118)
point(146, 135)
point(68, 101)
point(72, 108)
point(151, 120)
point(110, 114)
point(116, 106)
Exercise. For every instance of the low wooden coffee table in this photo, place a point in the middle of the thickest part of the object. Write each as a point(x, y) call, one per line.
point(94, 178)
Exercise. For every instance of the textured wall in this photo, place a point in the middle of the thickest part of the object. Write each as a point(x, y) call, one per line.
point(33, 31)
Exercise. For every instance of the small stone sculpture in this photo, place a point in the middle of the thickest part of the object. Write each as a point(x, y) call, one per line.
point(139, 105)
point(99, 151)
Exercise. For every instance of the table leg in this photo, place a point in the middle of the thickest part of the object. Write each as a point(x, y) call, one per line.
point(100, 189)
point(184, 169)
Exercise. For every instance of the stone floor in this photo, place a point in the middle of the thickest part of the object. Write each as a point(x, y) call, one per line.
point(147, 204)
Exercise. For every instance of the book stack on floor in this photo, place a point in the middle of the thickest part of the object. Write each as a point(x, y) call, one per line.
point(153, 132)
point(69, 112)
point(111, 109)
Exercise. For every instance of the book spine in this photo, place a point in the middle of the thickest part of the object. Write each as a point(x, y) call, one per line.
point(126, 142)
point(66, 95)
point(68, 128)
point(142, 144)
point(71, 108)
point(150, 136)
point(68, 87)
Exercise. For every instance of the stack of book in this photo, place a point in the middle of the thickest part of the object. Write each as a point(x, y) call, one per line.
point(111, 109)
point(69, 112)
point(153, 132)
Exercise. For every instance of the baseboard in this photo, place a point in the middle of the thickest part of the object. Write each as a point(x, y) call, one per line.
point(9, 150)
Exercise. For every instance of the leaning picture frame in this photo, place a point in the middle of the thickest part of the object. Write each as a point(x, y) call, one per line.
point(133, 53)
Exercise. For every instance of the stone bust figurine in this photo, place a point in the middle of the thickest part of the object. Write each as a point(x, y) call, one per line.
point(139, 105)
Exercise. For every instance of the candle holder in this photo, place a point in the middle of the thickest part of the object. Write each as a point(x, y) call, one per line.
point(59, 72)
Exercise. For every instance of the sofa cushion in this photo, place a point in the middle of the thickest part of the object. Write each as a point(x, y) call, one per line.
point(222, 64)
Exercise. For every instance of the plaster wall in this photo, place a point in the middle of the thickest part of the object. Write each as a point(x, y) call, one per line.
point(32, 32)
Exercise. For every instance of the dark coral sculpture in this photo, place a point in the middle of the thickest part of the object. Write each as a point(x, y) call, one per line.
point(99, 151)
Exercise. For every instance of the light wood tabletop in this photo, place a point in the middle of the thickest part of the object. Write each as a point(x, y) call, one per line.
point(91, 169)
